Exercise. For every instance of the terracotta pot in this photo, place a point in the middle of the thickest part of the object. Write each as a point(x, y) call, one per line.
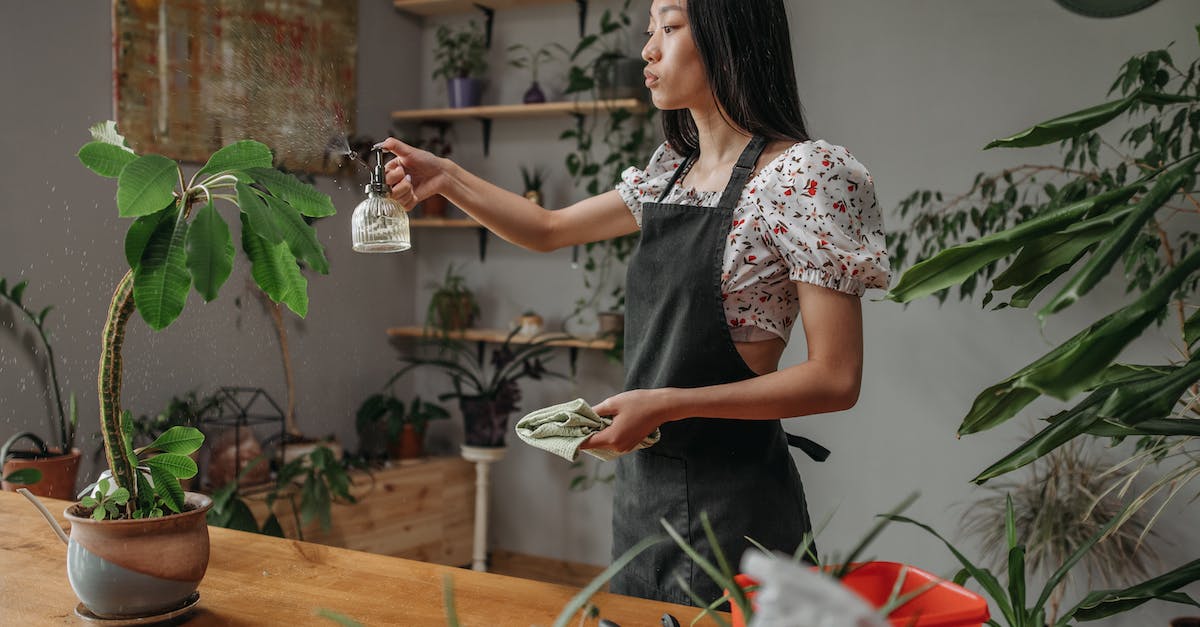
point(136, 568)
point(482, 424)
point(455, 313)
point(58, 473)
point(434, 206)
point(612, 323)
point(410, 444)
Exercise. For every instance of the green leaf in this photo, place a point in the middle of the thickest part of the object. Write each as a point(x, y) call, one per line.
point(161, 279)
point(581, 599)
point(146, 185)
point(300, 237)
point(1067, 126)
point(1103, 603)
point(302, 196)
point(1159, 98)
point(18, 291)
point(179, 466)
point(261, 218)
point(272, 527)
point(1049, 253)
point(166, 486)
point(1191, 329)
point(41, 317)
point(954, 265)
point(1074, 558)
point(274, 269)
point(1113, 248)
point(140, 231)
point(24, 476)
point(237, 156)
point(209, 252)
point(107, 133)
point(105, 159)
point(179, 440)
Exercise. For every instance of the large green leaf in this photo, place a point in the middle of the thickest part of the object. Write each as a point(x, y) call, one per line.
point(300, 237)
point(105, 159)
point(180, 466)
point(1077, 364)
point(166, 485)
point(140, 231)
point(1113, 248)
point(262, 221)
point(146, 185)
point(1067, 126)
point(161, 279)
point(953, 265)
point(240, 155)
point(307, 200)
point(209, 252)
point(1103, 603)
point(24, 476)
point(1082, 550)
point(1137, 401)
point(274, 269)
point(1050, 252)
point(1191, 328)
point(179, 440)
point(1169, 427)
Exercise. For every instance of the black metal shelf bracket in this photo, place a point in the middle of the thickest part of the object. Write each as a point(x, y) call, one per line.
point(483, 239)
point(583, 10)
point(487, 135)
point(489, 15)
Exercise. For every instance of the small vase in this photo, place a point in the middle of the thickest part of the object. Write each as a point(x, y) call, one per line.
point(58, 473)
point(465, 92)
point(534, 196)
point(534, 94)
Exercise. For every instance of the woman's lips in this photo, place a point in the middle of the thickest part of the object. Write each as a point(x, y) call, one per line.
point(651, 79)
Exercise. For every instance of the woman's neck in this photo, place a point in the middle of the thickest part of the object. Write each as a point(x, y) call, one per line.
point(720, 141)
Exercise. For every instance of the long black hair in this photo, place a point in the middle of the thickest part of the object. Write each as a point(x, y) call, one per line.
point(746, 50)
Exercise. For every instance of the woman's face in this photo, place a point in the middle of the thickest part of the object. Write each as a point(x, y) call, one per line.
point(674, 73)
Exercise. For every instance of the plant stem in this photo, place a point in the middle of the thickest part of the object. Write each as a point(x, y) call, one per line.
point(63, 439)
point(119, 312)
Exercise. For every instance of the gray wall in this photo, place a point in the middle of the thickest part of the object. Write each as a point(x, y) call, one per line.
point(913, 88)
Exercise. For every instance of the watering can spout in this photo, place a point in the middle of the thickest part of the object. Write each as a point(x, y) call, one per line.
point(62, 535)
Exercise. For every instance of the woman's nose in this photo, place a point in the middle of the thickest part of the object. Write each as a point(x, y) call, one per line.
point(650, 51)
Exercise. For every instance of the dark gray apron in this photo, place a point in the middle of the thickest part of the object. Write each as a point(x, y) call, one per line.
point(738, 471)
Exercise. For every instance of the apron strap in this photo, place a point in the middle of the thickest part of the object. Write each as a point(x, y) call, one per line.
point(741, 172)
point(683, 167)
point(815, 451)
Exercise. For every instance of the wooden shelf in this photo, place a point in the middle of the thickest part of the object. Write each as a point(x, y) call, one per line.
point(545, 109)
point(444, 223)
point(445, 7)
point(497, 336)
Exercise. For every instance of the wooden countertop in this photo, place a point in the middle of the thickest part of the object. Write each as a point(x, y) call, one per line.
point(260, 580)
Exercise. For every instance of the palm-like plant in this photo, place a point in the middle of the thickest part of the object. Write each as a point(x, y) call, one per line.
point(171, 246)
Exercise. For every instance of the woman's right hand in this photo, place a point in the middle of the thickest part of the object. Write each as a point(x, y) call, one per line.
point(414, 174)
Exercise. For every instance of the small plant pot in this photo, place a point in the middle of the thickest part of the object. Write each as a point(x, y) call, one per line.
point(410, 444)
point(58, 473)
point(302, 448)
point(530, 324)
point(534, 95)
point(611, 323)
point(534, 196)
point(483, 425)
point(455, 313)
point(464, 92)
point(137, 568)
point(434, 206)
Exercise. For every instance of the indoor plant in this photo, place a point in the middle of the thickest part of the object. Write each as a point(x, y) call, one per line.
point(458, 57)
point(533, 179)
point(403, 426)
point(452, 307)
point(486, 396)
point(50, 470)
point(523, 56)
point(169, 248)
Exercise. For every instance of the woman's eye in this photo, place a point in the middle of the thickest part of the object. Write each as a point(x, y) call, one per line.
point(668, 29)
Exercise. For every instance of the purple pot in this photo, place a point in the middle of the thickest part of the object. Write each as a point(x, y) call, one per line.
point(464, 92)
point(534, 94)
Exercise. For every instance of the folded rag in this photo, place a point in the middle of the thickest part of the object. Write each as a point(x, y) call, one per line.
point(560, 429)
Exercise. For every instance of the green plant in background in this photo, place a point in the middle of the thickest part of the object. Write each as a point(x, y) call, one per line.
point(525, 57)
point(386, 410)
point(452, 306)
point(171, 246)
point(1057, 509)
point(65, 426)
point(1011, 598)
point(533, 179)
point(459, 52)
point(181, 411)
point(1095, 219)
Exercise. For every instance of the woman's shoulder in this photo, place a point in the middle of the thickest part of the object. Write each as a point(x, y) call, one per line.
point(820, 155)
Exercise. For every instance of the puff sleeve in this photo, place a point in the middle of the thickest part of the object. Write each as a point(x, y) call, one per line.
point(824, 221)
point(637, 186)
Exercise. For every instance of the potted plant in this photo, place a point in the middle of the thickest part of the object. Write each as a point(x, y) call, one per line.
point(614, 69)
point(452, 307)
point(486, 396)
point(522, 56)
point(402, 427)
point(50, 471)
point(533, 178)
point(458, 57)
point(139, 513)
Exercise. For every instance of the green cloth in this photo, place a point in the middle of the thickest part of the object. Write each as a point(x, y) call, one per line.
point(560, 429)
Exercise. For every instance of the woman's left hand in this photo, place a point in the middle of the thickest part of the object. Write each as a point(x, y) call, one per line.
point(635, 415)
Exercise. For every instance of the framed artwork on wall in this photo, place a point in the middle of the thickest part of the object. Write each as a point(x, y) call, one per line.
point(190, 76)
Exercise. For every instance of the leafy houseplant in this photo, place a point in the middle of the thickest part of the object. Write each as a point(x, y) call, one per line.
point(1101, 216)
point(486, 396)
point(522, 56)
point(60, 462)
point(403, 425)
point(452, 307)
point(459, 57)
point(533, 179)
point(171, 246)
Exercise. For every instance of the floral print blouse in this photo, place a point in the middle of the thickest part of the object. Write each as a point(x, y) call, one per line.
point(809, 215)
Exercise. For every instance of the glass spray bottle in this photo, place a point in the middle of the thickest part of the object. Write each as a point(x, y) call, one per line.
point(379, 224)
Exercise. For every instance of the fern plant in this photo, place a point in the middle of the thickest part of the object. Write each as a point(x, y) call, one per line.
point(177, 240)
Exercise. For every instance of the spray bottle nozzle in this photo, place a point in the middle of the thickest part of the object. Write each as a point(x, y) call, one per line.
point(377, 184)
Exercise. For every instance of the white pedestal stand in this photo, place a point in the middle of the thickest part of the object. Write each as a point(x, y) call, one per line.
point(483, 458)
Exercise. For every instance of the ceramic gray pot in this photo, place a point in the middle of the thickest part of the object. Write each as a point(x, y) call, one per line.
point(135, 568)
point(465, 92)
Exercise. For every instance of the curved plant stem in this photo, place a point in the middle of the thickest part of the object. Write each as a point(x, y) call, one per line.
point(65, 438)
point(119, 312)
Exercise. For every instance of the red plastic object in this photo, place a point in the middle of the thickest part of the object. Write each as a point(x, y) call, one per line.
point(944, 604)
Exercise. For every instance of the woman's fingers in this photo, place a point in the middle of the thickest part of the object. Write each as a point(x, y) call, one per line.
point(404, 193)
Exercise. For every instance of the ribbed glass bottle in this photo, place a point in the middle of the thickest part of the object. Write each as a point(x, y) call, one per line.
point(380, 225)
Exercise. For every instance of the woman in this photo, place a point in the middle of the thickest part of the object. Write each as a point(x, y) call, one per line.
point(745, 223)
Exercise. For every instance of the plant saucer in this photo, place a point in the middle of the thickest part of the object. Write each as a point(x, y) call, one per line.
point(83, 612)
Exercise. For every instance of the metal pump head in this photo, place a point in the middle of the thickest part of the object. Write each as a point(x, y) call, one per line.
point(377, 184)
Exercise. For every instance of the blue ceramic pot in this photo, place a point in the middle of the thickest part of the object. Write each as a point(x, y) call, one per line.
point(465, 92)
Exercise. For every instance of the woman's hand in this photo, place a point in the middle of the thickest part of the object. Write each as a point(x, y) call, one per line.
point(635, 415)
point(414, 174)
